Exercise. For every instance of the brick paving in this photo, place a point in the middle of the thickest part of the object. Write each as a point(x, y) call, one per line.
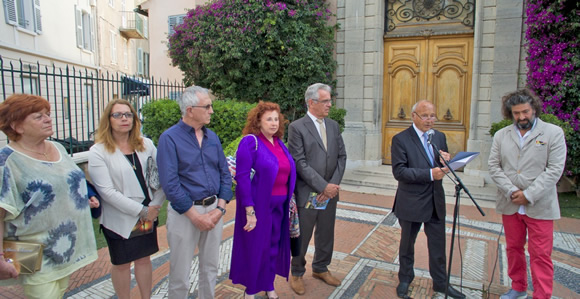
point(366, 258)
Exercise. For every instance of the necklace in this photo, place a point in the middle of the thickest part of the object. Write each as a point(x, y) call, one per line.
point(132, 161)
point(38, 153)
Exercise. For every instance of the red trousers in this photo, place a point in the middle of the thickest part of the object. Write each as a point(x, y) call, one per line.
point(540, 234)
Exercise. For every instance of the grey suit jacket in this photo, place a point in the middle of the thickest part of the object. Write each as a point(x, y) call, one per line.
point(315, 166)
point(534, 169)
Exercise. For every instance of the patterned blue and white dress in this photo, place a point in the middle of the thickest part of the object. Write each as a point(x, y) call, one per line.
point(46, 202)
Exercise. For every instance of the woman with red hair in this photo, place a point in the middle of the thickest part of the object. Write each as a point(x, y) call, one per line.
point(43, 199)
point(261, 246)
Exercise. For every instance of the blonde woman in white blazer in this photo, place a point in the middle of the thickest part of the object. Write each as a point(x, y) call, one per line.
point(117, 167)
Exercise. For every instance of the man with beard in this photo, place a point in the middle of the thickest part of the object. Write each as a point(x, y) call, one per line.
point(526, 161)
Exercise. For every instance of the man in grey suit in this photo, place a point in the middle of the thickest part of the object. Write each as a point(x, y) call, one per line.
point(316, 145)
point(526, 161)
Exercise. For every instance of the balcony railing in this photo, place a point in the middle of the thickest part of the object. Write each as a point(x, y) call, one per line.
point(133, 25)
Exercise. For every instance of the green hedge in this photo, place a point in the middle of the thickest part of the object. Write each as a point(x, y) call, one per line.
point(338, 115)
point(159, 116)
point(227, 121)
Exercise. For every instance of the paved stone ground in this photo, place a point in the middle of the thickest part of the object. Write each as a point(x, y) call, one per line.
point(366, 258)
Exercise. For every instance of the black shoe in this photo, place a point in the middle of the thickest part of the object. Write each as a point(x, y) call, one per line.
point(451, 292)
point(402, 289)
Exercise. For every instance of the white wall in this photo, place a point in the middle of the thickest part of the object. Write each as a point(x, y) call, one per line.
point(56, 42)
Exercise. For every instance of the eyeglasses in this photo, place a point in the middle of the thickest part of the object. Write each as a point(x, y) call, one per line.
point(119, 115)
point(427, 117)
point(323, 102)
point(206, 107)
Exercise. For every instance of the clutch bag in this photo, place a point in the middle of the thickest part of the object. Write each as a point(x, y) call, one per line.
point(26, 256)
point(152, 175)
point(142, 228)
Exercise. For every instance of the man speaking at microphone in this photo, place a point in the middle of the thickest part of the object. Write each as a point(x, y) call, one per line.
point(420, 198)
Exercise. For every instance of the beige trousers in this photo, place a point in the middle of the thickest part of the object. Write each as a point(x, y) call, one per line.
point(183, 237)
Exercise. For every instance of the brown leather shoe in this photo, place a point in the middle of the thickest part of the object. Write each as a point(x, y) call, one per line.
point(327, 277)
point(297, 285)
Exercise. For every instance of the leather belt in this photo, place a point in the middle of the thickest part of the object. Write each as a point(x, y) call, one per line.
point(206, 201)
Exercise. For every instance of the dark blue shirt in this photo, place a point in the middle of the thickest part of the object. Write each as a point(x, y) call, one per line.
point(189, 173)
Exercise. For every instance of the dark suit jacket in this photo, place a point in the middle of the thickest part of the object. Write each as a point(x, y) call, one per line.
point(416, 194)
point(315, 166)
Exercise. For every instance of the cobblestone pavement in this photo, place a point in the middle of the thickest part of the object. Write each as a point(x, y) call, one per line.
point(366, 258)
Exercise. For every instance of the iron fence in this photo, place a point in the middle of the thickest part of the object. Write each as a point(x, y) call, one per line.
point(78, 96)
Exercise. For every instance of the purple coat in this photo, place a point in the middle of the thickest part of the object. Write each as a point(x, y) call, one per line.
point(251, 248)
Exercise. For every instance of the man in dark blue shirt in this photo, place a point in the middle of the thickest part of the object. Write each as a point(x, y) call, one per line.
point(194, 175)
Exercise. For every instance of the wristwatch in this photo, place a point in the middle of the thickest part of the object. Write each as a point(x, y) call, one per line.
point(221, 209)
point(251, 213)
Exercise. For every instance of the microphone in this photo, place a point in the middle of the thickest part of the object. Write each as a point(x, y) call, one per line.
point(430, 134)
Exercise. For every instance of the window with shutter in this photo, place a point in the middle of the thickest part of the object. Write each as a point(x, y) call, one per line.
point(37, 17)
point(10, 11)
point(24, 14)
point(84, 29)
point(139, 61)
point(145, 64)
point(113, 47)
point(174, 21)
point(79, 26)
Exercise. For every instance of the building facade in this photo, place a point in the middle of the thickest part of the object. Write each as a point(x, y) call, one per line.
point(461, 55)
point(74, 53)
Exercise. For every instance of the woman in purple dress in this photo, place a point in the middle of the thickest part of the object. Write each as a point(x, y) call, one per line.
point(262, 234)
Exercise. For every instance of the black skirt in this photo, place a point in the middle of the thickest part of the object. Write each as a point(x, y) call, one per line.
point(124, 251)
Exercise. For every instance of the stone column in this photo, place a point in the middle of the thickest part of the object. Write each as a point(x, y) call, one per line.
point(360, 78)
point(498, 44)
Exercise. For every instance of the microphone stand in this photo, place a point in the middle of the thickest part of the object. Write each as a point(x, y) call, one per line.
point(458, 186)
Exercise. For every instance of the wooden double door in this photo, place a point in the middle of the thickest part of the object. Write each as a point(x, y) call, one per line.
point(437, 69)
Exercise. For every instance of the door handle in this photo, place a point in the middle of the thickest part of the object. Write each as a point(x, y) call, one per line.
point(448, 115)
point(402, 114)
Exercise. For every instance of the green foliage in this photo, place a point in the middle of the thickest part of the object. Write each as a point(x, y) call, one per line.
point(338, 115)
point(499, 125)
point(159, 116)
point(553, 61)
point(252, 50)
point(549, 118)
point(228, 119)
point(232, 148)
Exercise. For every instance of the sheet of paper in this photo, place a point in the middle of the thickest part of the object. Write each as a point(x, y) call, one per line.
point(461, 159)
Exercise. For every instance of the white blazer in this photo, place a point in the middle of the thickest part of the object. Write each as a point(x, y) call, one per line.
point(120, 191)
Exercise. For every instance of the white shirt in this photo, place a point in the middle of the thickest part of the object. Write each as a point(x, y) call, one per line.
point(420, 134)
point(314, 118)
point(522, 209)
